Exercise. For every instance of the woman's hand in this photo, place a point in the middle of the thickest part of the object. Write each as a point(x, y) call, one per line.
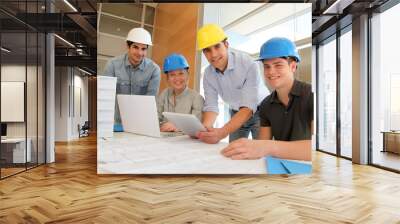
point(168, 127)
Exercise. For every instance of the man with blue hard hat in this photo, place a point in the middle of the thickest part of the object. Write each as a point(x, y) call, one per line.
point(177, 97)
point(136, 74)
point(236, 78)
point(286, 115)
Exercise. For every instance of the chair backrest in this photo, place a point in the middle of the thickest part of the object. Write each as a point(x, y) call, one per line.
point(86, 125)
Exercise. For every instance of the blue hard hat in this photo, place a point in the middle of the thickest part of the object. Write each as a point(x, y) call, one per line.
point(174, 62)
point(278, 47)
point(118, 128)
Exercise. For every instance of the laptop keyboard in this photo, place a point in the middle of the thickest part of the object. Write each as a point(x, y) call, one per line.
point(171, 134)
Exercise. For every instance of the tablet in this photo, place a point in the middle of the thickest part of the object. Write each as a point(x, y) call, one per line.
point(188, 123)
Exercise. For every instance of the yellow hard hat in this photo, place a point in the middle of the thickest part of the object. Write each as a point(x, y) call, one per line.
point(209, 35)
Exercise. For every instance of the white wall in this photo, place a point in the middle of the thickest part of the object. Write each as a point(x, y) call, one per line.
point(62, 81)
point(50, 93)
point(12, 73)
point(69, 82)
point(79, 117)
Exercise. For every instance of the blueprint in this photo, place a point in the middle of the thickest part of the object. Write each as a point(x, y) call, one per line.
point(127, 153)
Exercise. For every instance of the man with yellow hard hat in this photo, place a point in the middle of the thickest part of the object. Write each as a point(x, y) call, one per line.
point(136, 74)
point(233, 76)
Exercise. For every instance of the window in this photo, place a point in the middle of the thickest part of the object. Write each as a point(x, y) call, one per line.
point(327, 96)
point(346, 93)
point(385, 89)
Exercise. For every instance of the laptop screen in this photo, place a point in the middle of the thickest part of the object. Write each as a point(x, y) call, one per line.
point(141, 119)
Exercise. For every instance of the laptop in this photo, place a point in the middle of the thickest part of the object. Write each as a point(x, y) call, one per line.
point(139, 116)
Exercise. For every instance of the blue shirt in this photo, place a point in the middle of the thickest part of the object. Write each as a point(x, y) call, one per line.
point(238, 85)
point(142, 80)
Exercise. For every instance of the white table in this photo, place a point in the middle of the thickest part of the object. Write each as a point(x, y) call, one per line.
point(126, 153)
point(18, 154)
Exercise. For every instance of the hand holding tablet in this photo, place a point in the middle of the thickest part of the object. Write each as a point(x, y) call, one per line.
point(188, 123)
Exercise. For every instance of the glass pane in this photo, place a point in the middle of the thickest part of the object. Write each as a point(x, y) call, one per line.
point(346, 94)
point(13, 85)
point(149, 16)
point(150, 50)
point(111, 45)
point(385, 86)
point(149, 28)
point(327, 97)
point(116, 26)
point(129, 11)
point(31, 98)
point(303, 71)
point(101, 64)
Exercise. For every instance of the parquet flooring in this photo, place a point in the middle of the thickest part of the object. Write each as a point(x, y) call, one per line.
point(70, 191)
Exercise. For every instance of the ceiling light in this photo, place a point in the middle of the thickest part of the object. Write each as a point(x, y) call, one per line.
point(65, 41)
point(5, 50)
point(86, 72)
point(337, 7)
point(70, 5)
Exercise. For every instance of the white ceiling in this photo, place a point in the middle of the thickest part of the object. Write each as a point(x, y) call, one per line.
point(249, 25)
point(233, 11)
point(269, 14)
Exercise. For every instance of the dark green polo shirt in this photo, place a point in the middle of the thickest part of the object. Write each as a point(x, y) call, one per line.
point(293, 122)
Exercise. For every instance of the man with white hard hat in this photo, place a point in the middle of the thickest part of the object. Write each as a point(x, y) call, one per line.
point(136, 74)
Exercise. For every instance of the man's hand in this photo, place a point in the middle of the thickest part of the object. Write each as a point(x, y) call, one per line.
point(212, 135)
point(168, 126)
point(245, 149)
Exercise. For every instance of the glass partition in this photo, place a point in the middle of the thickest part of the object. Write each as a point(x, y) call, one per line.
point(22, 88)
point(385, 89)
point(346, 93)
point(327, 96)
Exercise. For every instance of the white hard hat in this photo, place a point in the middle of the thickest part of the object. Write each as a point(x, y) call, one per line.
point(139, 35)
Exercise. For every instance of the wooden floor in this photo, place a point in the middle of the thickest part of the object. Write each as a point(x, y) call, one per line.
point(387, 159)
point(10, 171)
point(70, 191)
